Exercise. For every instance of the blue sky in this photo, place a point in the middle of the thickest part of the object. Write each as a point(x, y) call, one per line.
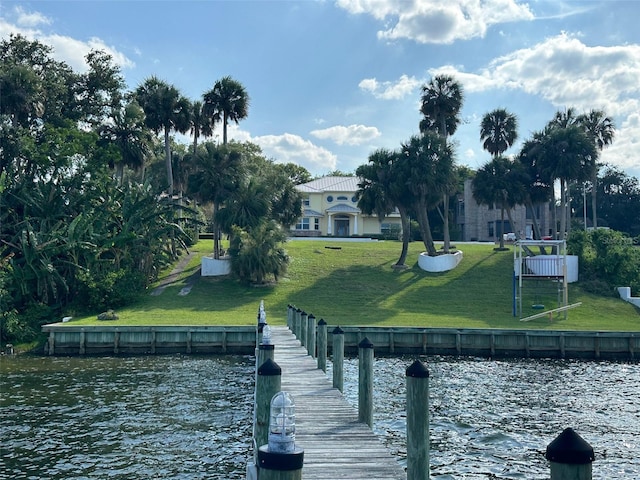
point(331, 81)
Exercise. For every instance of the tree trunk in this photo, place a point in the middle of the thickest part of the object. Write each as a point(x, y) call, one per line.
point(563, 210)
point(167, 158)
point(445, 228)
point(425, 229)
point(404, 219)
point(594, 193)
point(501, 234)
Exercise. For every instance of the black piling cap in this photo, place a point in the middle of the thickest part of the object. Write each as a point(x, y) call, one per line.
point(338, 331)
point(298, 310)
point(417, 370)
point(322, 322)
point(302, 312)
point(570, 448)
point(269, 368)
point(280, 462)
point(312, 316)
point(365, 343)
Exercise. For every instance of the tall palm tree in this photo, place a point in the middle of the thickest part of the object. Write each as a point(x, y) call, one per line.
point(498, 131)
point(201, 124)
point(601, 129)
point(567, 154)
point(441, 104)
point(226, 101)
point(217, 175)
point(426, 164)
point(381, 191)
point(499, 182)
point(132, 139)
point(166, 110)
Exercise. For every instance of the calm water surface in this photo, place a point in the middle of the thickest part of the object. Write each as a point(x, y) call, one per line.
point(181, 417)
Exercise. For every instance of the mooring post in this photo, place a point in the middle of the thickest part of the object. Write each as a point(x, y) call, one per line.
point(303, 329)
point(365, 382)
point(311, 335)
point(296, 322)
point(266, 350)
point(417, 421)
point(268, 383)
point(290, 317)
point(570, 457)
point(281, 458)
point(338, 358)
point(322, 345)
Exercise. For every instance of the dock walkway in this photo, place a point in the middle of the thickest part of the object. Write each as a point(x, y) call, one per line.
point(335, 444)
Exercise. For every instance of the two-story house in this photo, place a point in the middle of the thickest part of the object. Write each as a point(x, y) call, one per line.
point(331, 209)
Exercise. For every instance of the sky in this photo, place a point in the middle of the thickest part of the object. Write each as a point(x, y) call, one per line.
point(331, 81)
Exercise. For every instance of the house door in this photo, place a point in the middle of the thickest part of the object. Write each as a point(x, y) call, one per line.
point(341, 226)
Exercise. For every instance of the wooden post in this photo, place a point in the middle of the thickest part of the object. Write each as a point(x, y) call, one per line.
point(280, 466)
point(417, 421)
point(265, 351)
point(365, 382)
point(296, 319)
point(570, 457)
point(268, 384)
point(116, 342)
point(82, 349)
point(303, 329)
point(189, 341)
point(52, 342)
point(322, 345)
point(311, 335)
point(338, 358)
point(290, 317)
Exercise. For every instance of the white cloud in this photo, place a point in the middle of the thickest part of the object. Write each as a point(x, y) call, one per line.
point(435, 21)
point(30, 19)
point(66, 49)
point(288, 148)
point(351, 135)
point(397, 90)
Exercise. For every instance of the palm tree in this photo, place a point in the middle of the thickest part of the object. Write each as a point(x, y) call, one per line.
point(166, 110)
point(498, 131)
point(499, 182)
point(227, 100)
point(441, 104)
point(132, 139)
point(217, 175)
point(567, 154)
point(426, 164)
point(602, 131)
point(381, 191)
point(201, 125)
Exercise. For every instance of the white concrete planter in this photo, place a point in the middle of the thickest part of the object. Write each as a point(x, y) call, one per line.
point(625, 294)
point(552, 265)
point(439, 263)
point(213, 267)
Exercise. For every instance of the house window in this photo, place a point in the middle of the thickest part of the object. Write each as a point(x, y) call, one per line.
point(342, 198)
point(354, 199)
point(303, 224)
point(316, 223)
point(305, 202)
point(330, 198)
point(490, 229)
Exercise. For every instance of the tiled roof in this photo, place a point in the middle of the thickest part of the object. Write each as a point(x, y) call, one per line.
point(330, 184)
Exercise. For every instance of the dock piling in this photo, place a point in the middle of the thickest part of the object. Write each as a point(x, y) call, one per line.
point(322, 345)
point(311, 335)
point(338, 358)
point(365, 382)
point(417, 421)
point(570, 457)
point(268, 383)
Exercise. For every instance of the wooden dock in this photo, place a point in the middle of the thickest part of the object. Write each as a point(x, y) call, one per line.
point(335, 444)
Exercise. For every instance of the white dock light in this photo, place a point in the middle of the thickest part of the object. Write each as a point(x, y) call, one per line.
point(282, 424)
point(266, 335)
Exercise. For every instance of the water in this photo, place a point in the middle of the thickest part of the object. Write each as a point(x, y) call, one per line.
point(125, 418)
point(189, 417)
point(494, 419)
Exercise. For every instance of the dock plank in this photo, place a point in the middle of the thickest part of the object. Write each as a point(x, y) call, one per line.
point(336, 445)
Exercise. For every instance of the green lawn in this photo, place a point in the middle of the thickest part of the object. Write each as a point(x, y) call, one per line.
point(355, 285)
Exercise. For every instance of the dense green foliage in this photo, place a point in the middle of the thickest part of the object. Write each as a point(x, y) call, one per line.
point(87, 217)
point(608, 259)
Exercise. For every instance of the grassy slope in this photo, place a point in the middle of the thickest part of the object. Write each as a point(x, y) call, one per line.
point(355, 285)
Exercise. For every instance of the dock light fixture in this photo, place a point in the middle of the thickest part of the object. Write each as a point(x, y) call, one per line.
point(282, 424)
point(266, 335)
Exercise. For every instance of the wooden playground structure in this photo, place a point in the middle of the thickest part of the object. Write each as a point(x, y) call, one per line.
point(540, 279)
